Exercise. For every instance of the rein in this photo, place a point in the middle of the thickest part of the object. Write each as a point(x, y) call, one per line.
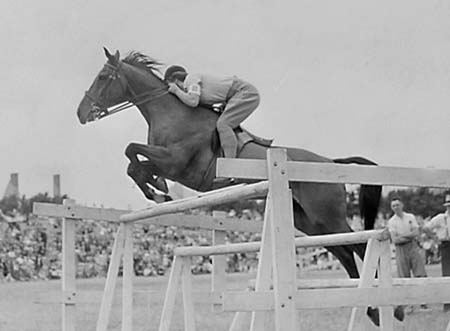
point(147, 97)
point(101, 110)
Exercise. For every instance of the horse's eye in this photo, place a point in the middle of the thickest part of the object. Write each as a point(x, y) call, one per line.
point(102, 77)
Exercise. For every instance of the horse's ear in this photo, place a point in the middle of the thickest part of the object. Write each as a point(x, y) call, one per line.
point(117, 56)
point(113, 59)
point(107, 53)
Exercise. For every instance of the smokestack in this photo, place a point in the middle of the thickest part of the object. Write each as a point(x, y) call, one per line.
point(13, 186)
point(56, 186)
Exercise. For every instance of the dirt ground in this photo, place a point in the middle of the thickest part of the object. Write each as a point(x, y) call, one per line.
point(32, 306)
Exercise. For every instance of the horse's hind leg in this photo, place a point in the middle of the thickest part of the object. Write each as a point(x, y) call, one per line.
point(399, 313)
point(345, 255)
point(323, 211)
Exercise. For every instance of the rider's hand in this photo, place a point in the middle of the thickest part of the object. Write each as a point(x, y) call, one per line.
point(173, 88)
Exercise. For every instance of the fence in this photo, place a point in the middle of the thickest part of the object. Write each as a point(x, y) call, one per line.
point(279, 294)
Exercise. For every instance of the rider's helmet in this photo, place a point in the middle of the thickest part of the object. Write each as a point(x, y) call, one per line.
point(174, 72)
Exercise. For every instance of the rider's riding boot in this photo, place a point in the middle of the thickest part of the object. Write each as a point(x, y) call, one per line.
point(227, 140)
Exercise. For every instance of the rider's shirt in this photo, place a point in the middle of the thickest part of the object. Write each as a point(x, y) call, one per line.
point(211, 89)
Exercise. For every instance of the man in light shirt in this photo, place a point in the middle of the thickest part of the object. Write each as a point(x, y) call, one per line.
point(440, 225)
point(404, 231)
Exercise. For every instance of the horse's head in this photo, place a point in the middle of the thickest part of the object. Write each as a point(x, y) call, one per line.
point(108, 89)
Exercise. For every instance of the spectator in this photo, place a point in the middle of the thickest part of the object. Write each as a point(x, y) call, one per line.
point(440, 224)
point(404, 231)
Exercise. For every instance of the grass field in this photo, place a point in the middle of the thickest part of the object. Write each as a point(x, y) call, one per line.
point(34, 306)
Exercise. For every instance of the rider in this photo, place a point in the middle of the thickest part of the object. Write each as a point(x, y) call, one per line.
point(239, 98)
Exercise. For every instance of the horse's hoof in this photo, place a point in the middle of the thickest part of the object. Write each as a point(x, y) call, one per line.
point(159, 198)
point(161, 184)
point(399, 313)
point(374, 315)
point(149, 193)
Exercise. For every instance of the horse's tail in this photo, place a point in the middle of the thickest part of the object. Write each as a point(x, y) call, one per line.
point(369, 195)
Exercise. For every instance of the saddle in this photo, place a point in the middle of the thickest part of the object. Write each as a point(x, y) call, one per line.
point(243, 136)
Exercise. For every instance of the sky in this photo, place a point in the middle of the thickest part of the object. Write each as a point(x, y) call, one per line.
point(339, 78)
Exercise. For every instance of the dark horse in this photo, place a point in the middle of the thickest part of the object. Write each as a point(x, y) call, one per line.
point(182, 146)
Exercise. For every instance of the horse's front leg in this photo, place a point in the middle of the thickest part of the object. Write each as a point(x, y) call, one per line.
point(159, 162)
point(144, 178)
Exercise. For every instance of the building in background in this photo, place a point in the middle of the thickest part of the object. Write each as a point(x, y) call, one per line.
point(12, 189)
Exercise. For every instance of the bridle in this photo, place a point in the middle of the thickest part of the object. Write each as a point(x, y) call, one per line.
point(100, 110)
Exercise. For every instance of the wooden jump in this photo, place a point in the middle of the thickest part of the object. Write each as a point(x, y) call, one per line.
point(71, 214)
point(366, 291)
point(276, 287)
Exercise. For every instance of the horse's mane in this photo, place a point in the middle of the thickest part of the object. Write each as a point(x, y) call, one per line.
point(143, 61)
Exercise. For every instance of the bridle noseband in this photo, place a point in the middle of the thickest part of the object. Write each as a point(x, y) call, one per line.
point(100, 110)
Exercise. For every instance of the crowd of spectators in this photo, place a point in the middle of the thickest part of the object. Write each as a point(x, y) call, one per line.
point(31, 249)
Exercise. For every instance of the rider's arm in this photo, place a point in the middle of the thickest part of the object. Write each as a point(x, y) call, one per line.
point(191, 97)
point(191, 91)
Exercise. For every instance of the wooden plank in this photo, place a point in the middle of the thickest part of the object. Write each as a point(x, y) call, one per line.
point(338, 173)
point(261, 320)
point(127, 280)
point(171, 293)
point(75, 211)
point(111, 279)
point(205, 199)
point(68, 271)
point(307, 241)
point(282, 236)
point(179, 219)
point(348, 282)
point(340, 298)
point(188, 303)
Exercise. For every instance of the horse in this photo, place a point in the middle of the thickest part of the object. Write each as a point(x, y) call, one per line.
point(182, 146)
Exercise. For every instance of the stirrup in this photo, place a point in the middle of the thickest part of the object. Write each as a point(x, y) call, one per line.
point(222, 181)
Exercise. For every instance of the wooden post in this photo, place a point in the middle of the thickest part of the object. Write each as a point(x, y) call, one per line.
point(127, 280)
point(282, 235)
point(219, 261)
point(367, 278)
point(171, 293)
point(385, 276)
point(188, 302)
point(111, 279)
point(68, 271)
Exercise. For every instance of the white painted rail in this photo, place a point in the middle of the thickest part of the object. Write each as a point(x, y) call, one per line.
point(310, 241)
point(338, 173)
point(212, 198)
